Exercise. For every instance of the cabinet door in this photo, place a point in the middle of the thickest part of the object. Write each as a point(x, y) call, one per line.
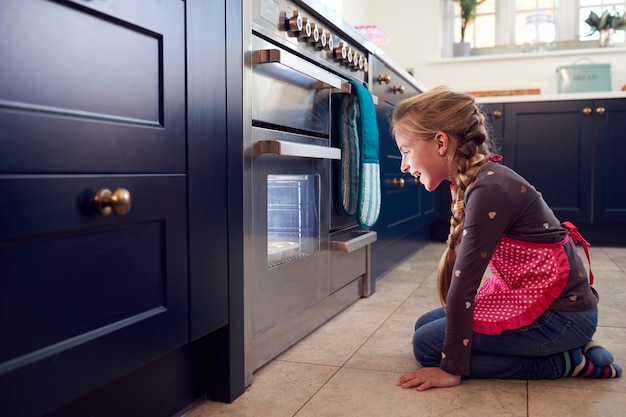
point(91, 97)
point(609, 149)
point(494, 115)
point(549, 143)
point(94, 86)
point(406, 207)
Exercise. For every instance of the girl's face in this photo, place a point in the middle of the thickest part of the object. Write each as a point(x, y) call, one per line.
point(426, 159)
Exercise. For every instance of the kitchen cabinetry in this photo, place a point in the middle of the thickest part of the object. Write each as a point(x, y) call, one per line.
point(407, 209)
point(494, 113)
point(571, 151)
point(92, 97)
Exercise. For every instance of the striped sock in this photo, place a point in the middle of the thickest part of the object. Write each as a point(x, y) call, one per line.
point(575, 363)
point(597, 354)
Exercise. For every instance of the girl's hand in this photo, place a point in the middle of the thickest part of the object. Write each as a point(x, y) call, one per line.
point(426, 378)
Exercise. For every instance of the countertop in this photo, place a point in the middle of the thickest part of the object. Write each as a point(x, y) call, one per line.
point(553, 97)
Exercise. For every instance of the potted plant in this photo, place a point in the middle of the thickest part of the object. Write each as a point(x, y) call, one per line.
point(468, 13)
point(606, 24)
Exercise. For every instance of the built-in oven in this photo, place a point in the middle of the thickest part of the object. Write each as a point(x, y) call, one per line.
point(304, 261)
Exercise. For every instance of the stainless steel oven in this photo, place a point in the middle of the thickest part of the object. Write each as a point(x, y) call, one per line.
point(304, 261)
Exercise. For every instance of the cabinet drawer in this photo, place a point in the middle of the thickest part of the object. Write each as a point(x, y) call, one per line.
point(86, 298)
point(389, 86)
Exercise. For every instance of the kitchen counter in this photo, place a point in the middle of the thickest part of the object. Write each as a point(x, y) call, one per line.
point(553, 97)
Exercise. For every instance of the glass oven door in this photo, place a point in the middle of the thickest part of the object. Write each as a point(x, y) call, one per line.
point(290, 206)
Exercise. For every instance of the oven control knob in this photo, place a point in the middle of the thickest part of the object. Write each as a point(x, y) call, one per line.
point(361, 62)
point(341, 52)
point(330, 44)
point(355, 60)
point(349, 57)
point(365, 66)
point(314, 37)
point(294, 24)
point(322, 40)
point(305, 32)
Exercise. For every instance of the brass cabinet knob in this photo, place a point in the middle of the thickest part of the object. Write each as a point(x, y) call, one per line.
point(587, 111)
point(497, 114)
point(117, 202)
point(398, 182)
point(398, 89)
point(600, 110)
point(384, 79)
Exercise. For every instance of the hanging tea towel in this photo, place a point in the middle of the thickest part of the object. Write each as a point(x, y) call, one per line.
point(349, 166)
point(369, 181)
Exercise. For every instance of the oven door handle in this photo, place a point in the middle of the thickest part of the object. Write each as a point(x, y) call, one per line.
point(352, 240)
point(302, 150)
point(276, 56)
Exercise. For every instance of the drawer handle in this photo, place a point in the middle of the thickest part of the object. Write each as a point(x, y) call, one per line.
point(117, 202)
point(398, 89)
point(398, 182)
point(600, 110)
point(497, 114)
point(587, 111)
point(384, 79)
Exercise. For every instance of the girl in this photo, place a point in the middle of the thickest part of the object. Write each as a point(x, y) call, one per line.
point(536, 317)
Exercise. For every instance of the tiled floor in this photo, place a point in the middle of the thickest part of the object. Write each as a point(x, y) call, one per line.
point(349, 367)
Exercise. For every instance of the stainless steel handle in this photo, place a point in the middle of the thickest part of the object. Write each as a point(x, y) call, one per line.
point(352, 241)
point(276, 56)
point(302, 150)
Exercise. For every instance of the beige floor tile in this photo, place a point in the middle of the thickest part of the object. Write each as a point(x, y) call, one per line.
point(612, 303)
point(389, 349)
point(335, 342)
point(367, 393)
point(617, 256)
point(422, 300)
point(278, 390)
point(569, 402)
point(388, 297)
point(419, 266)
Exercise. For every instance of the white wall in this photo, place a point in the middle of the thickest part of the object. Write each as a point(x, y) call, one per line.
point(414, 31)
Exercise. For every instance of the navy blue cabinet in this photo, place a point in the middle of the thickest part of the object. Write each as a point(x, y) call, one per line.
point(609, 169)
point(92, 97)
point(550, 144)
point(572, 152)
point(407, 209)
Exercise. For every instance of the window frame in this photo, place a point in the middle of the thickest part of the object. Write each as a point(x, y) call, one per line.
point(568, 25)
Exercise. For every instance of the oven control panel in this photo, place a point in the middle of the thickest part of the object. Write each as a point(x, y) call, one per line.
point(306, 30)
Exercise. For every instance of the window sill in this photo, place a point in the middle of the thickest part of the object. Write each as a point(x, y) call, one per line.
point(578, 52)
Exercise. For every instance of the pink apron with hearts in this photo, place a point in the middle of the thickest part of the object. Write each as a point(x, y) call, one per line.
point(528, 277)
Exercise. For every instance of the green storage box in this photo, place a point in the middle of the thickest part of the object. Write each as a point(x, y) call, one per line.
point(580, 78)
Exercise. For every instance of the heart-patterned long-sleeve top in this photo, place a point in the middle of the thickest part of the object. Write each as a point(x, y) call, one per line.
point(533, 259)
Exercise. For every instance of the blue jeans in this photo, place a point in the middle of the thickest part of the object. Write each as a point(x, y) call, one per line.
point(532, 352)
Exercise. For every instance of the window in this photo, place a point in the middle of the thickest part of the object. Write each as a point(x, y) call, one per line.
point(599, 6)
point(499, 25)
